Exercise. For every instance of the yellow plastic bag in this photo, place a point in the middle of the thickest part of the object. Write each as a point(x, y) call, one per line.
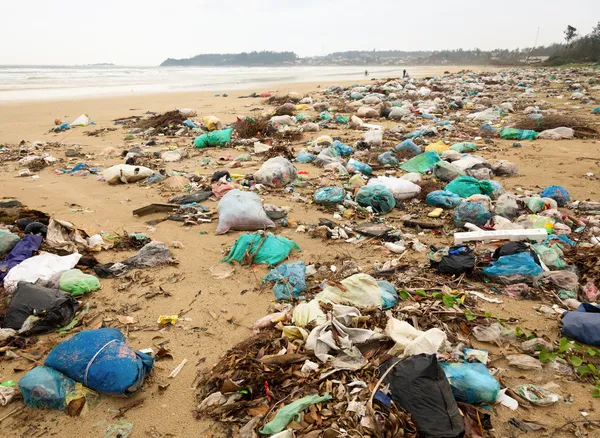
point(301, 107)
point(438, 147)
point(212, 123)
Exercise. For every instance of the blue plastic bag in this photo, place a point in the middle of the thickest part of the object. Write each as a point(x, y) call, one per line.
point(101, 360)
point(471, 382)
point(359, 166)
point(596, 110)
point(515, 264)
point(388, 294)
point(473, 212)
point(342, 149)
point(388, 159)
point(558, 193)
point(305, 157)
point(329, 195)
point(290, 280)
point(44, 387)
point(408, 147)
point(443, 199)
point(582, 325)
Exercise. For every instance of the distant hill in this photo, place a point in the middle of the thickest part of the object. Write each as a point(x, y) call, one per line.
point(234, 59)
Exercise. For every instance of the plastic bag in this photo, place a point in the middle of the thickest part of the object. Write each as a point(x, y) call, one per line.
point(305, 157)
point(557, 133)
point(328, 156)
point(473, 212)
point(360, 290)
point(515, 264)
point(219, 138)
point(551, 256)
point(507, 206)
point(268, 249)
point(582, 325)
point(537, 221)
point(287, 413)
point(242, 211)
point(8, 241)
point(290, 280)
point(408, 148)
point(443, 199)
point(388, 294)
point(401, 189)
point(126, 173)
point(537, 395)
point(152, 254)
point(563, 280)
point(101, 360)
point(276, 172)
point(444, 171)
point(464, 147)
point(212, 123)
point(465, 186)
point(471, 382)
point(422, 163)
point(418, 385)
point(517, 134)
point(77, 283)
point(494, 333)
point(305, 313)
point(374, 137)
point(505, 168)
point(558, 193)
point(454, 260)
point(23, 250)
point(329, 195)
point(54, 309)
point(359, 166)
point(437, 147)
point(39, 268)
point(44, 387)
point(379, 197)
point(342, 149)
point(388, 159)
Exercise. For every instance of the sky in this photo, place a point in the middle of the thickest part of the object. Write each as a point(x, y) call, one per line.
point(134, 32)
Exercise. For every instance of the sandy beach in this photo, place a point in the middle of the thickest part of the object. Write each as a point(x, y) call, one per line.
point(217, 314)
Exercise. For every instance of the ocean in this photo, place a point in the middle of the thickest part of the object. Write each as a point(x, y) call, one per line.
point(21, 83)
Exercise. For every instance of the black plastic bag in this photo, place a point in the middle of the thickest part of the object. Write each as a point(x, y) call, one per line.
point(460, 259)
point(418, 384)
point(54, 308)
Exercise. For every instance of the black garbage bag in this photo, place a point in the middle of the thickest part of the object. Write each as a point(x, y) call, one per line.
point(418, 384)
point(54, 308)
point(458, 260)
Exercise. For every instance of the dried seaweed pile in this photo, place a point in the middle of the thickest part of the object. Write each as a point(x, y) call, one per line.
point(582, 128)
point(587, 261)
point(161, 122)
point(254, 380)
point(249, 127)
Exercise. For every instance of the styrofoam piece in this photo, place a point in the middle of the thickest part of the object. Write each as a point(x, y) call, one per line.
point(536, 234)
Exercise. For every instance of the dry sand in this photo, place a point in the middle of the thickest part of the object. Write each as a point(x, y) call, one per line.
point(218, 313)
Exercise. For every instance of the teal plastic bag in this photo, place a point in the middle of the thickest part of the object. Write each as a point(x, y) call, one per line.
point(471, 382)
point(290, 280)
point(8, 241)
point(408, 148)
point(465, 186)
point(359, 166)
point(388, 159)
point(329, 195)
point(472, 212)
point(596, 110)
point(268, 249)
point(463, 147)
point(422, 163)
point(388, 294)
point(379, 197)
point(443, 199)
point(286, 414)
point(342, 149)
point(215, 138)
point(517, 134)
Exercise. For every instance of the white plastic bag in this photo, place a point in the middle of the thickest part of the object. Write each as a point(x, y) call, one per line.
point(39, 268)
point(401, 188)
point(82, 120)
point(557, 133)
point(361, 290)
point(374, 137)
point(283, 120)
point(243, 211)
point(276, 172)
point(187, 112)
point(126, 173)
point(410, 341)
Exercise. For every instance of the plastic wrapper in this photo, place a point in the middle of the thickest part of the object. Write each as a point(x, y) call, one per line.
point(443, 199)
point(276, 172)
point(473, 212)
point(242, 211)
point(77, 283)
point(329, 195)
point(471, 382)
point(379, 197)
point(289, 279)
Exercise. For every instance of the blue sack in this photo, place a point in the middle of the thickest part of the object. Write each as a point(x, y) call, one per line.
point(471, 382)
point(329, 195)
point(409, 148)
point(558, 193)
point(305, 157)
point(582, 325)
point(43, 387)
point(343, 149)
point(388, 159)
point(515, 264)
point(23, 250)
point(388, 294)
point(101, 360)
point(443, 199)
point(290, 280)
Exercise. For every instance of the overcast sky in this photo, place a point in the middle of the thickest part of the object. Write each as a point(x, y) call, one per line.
point(135, 32)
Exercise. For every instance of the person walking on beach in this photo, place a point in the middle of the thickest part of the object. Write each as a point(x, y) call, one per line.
point(404, 74)
point(366, 73)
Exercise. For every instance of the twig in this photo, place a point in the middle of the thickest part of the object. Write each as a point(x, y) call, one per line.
point(571, 423)
point(370, 402)
point(14, 411)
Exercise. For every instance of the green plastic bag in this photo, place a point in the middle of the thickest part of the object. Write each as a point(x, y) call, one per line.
point(78, 283)
point(421, 163)
point(465, 186)
point(464, 147)
point(215, 138)
point(269, 249)
point(286, 414)
point(377, 196)
point(517, 134)
point(8, 241)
